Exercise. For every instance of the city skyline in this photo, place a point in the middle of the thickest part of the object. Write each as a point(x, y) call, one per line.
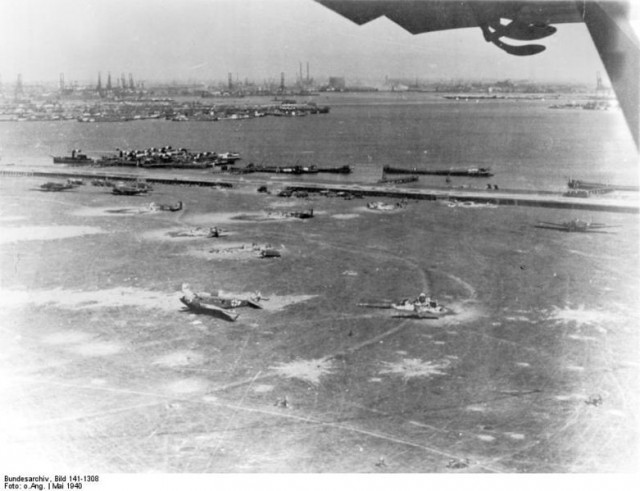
point(259, 39)
point(99, 82)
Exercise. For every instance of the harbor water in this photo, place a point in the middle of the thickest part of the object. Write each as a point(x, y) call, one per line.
point(526, 144)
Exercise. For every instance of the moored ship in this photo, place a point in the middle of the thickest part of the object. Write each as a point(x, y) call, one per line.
point(167, 157)
point(76, 158)
point(590, 186)
point(344, 169)
point(277, 169)
point(471, 172)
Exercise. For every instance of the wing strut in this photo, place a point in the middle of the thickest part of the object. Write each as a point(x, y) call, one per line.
point(619, 50)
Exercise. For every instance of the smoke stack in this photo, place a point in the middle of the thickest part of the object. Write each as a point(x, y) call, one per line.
point(19, 90)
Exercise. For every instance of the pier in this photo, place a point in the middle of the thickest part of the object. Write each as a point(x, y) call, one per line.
point(543, 199)
point(513, 198)
point(114, 176)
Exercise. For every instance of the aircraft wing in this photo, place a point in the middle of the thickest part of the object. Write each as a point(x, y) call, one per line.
point(606, 20)
point(418, 16)
point(601, 225)
point(551, 225)
point(591, 229)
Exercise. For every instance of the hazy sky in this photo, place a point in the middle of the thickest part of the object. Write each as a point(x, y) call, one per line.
point(257, 39)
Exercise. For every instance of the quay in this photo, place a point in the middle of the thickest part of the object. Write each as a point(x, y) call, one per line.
point(544, 199)
point(156, 178)
point(513, 197)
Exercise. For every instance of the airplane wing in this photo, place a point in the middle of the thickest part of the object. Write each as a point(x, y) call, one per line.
point(526, 20)
point(601, 225)
point(418, 16)
point(415, 316)
point(551, 225)
point(591, 229)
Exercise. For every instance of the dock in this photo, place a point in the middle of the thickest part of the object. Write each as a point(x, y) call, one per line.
point(513, 198)
point(155, 178)
point(543, 199)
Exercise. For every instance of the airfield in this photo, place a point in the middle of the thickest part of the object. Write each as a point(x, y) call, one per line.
point(102, 369)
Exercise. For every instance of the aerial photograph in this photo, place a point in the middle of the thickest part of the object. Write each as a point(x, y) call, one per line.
point(375, 238)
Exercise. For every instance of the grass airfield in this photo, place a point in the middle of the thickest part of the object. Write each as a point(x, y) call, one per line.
point(104, 371)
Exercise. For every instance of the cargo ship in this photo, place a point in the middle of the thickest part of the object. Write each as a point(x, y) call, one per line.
point(473, 172)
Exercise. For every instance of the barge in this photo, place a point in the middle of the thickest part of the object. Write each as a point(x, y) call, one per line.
point(596, 186)
point(472, 172)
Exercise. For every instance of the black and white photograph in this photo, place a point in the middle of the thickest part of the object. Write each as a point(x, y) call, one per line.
point(388, 240)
